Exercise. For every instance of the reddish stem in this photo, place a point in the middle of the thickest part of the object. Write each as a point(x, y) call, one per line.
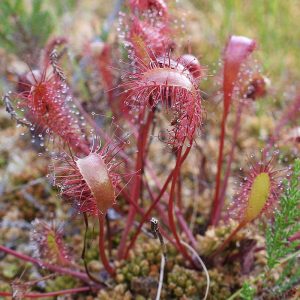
point(48, 266)
point(102, 253)
point(130, 201)
point(142, 141)
point(237, 51)
point(128, 160)
point(216, 208)
point(179, 192)
point(231, 154)
point(5, 294)
point(227, 241)
point(142, 213)
point(147, 214)
point(153, 205)
point(50, 294)
point(185, 227)
point(124, 156)
point(160, 209)
point(182, 221)
point(171, 204)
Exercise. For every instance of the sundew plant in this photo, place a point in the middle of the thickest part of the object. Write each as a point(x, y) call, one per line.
point(134, 167)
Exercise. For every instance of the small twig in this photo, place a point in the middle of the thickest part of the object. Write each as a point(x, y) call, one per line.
point(161, 276)
point(202, 264)
point(157, 235)
point(101, 241)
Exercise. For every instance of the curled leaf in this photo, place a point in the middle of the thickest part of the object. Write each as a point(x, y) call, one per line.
point(237, 50)
point(95, 173)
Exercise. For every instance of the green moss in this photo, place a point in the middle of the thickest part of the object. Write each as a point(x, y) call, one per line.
point(61, 283)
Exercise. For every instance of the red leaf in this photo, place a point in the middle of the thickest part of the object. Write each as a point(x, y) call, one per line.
point(237, 50)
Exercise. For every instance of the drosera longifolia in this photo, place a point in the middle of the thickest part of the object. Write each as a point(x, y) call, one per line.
point(166, 82)
point(251, 86)
point(236, 52)
point(143, 53)
point(257, 194)
point(90, 184)
point(158, 79)
point(282, 249)
point(155, 202)
point(45, 103)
